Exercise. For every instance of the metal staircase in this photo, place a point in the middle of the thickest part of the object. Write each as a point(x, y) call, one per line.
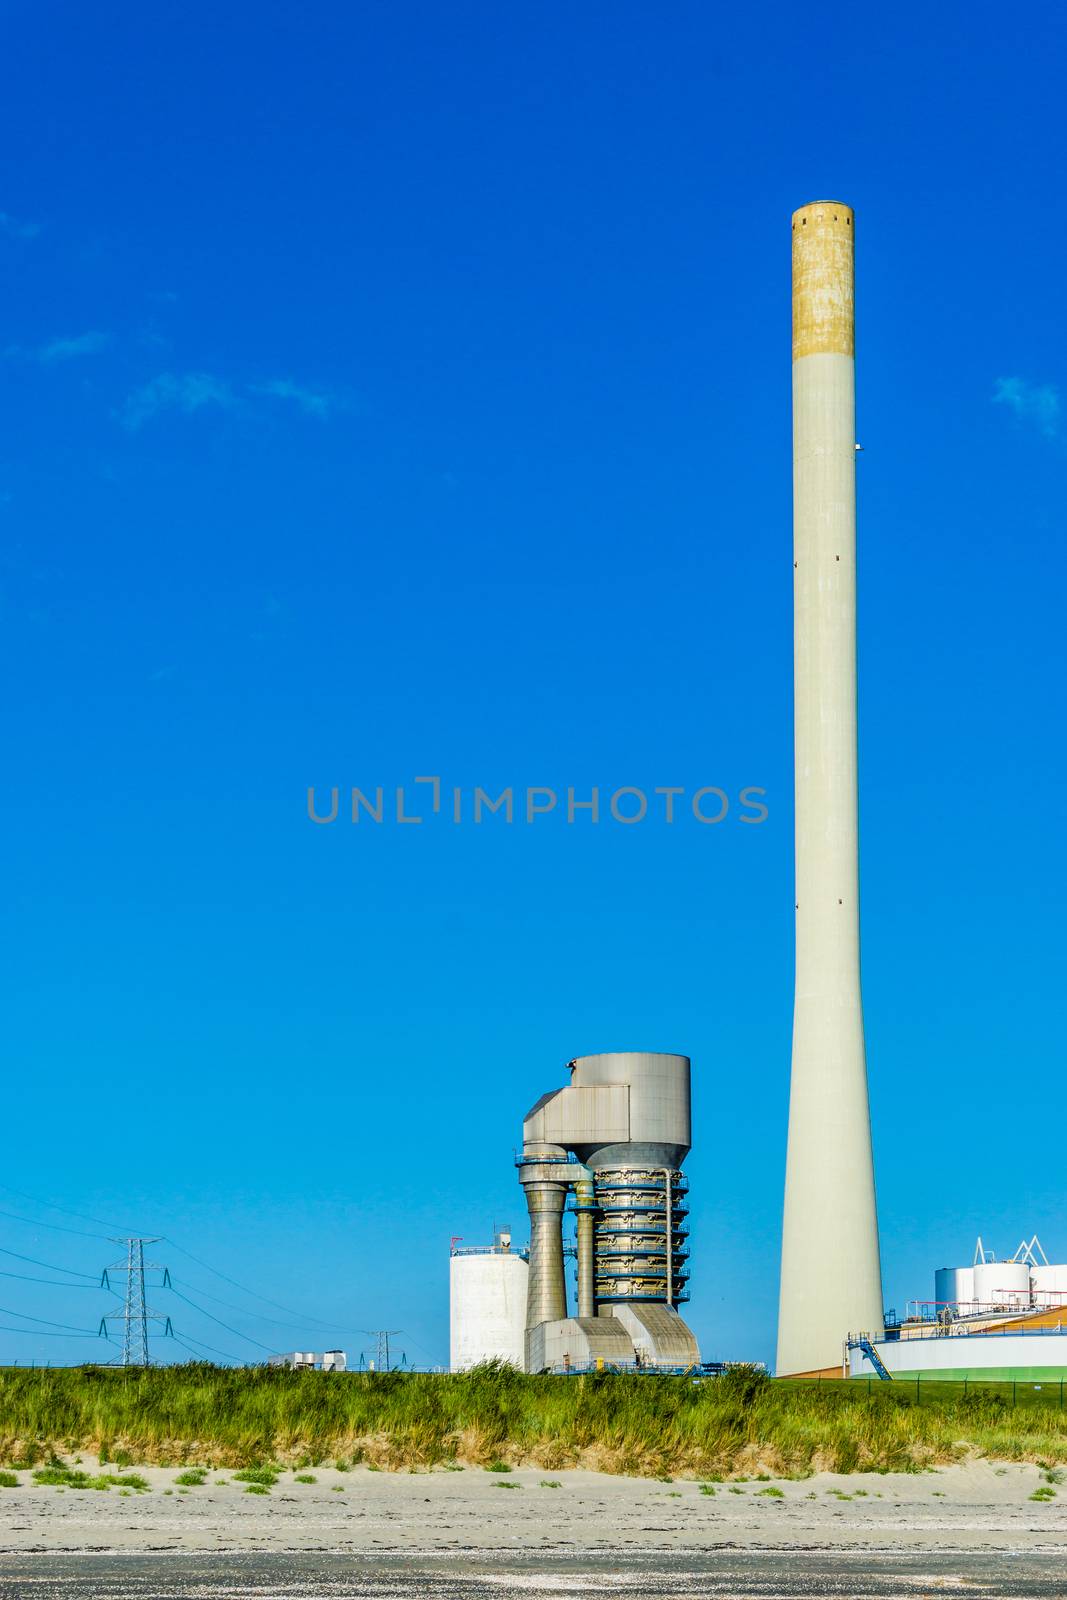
point(874, 1358)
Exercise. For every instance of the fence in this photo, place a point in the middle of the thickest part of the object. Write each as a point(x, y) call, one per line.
point(919, 1390)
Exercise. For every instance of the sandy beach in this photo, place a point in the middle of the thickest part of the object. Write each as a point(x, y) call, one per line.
point(969, 1529)
point(980, 1506)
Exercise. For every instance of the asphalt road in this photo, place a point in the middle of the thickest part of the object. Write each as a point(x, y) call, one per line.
point(725, 1573)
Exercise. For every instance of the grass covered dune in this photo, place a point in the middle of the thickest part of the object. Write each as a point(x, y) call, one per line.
point(727, 1427)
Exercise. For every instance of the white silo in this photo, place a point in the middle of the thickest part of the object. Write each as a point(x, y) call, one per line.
point(1002, 1285)
point(1049, 1285)
point(488, 1288)
point(954, 1289)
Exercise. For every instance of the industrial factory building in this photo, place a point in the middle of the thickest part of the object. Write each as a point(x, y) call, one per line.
point(609, 1147)
point(993, 1319)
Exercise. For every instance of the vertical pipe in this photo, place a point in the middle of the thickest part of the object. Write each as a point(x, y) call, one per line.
point(584, 1220)
point(831, 1276)
point(547, 1292)
point(670, 1237)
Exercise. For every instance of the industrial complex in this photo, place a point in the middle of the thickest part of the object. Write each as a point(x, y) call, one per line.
point(995, 1319)
point(608, 1147)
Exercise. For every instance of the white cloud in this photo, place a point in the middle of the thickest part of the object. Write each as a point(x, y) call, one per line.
point(185, 392)
point(82, 344)
point(12, 228)
point(314, 401)
point(1036, 403)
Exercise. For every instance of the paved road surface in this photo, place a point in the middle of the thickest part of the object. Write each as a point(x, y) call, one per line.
point(726, 1573)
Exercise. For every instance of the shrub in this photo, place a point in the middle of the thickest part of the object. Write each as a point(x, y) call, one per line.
point(71, 1478)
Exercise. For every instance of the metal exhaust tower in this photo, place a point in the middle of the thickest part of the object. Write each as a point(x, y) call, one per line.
point(615, 1138)
point(831, 1275)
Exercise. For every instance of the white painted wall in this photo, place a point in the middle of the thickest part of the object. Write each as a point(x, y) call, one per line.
point(971, 1350)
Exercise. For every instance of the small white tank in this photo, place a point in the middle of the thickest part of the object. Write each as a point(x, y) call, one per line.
point(1049, 1284)
point(954, 1287)
point(1002, 1285)
point(488, 1307)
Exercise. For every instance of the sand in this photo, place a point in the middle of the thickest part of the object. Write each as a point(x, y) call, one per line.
point(981, 1506)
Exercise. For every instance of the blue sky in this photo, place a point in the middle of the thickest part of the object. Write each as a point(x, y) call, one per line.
point(397, 390)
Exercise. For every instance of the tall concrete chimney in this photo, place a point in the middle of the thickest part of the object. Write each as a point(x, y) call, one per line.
point(831, 1274)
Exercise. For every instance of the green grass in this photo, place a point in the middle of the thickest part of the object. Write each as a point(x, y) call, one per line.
point(550, 1483)
point(739, 1427)
point(194, 1478)
point(261, 1477)
point(305, 1477)
point(1046, 1492)
point(72, 1478)
point(9, 1480)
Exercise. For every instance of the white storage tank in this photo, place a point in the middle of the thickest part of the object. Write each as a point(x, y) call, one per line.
point(1002, 1285)
point(487, 1306)
point(954, 1287)
point(1049, 1285)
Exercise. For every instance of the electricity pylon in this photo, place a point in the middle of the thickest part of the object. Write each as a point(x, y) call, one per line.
point(135, 1314)
point(381, 1336)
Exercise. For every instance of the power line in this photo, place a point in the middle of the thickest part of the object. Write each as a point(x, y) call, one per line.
point(52, 1205)
point(26, 1317)
point(302, 1319)
point(39, 1333)
point(242, 1310)
point(55, 1227)
point(199, 1342)
point(49, 1264)
point(56, 1283)
point(235, 1331)
point(300, 1315)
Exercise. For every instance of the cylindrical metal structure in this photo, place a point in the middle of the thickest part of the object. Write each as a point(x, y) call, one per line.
point(1002, 1285)
point(954, 1289)
point(584, 1220)
point(658, 1098)
point(641, 1236)
point(1049, 1285)
point(547, 1291)
point(831, 1274)
point(487, 1307)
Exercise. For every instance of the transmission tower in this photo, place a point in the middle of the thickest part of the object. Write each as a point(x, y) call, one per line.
point(135, 1315)
point(382, 1337)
